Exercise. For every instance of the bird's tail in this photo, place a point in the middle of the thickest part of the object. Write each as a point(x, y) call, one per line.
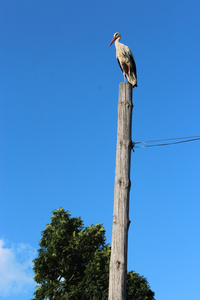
point(132, 80)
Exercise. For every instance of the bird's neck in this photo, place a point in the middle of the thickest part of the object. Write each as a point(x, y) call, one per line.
point(117, 42)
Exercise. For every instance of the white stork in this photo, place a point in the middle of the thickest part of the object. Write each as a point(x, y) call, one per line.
point(125, 59)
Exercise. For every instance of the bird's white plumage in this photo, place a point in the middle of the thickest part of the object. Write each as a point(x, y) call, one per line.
point(125, 59)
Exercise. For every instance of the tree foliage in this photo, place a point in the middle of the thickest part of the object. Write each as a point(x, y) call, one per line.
point(137, 287)
point(73, 263)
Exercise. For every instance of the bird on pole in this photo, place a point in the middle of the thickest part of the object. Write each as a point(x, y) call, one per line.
point(125, 59)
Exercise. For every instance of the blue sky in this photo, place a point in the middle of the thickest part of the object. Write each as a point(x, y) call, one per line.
point(58, 125)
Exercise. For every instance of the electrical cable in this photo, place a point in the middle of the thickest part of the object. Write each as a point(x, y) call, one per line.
point(185, 140)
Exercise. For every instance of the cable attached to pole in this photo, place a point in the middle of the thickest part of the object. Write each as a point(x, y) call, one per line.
point(184, 140)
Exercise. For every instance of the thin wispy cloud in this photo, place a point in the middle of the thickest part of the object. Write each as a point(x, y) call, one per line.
point(16, 275)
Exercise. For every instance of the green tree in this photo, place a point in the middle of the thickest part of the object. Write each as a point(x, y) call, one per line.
point(73, 263)
point(137, 287)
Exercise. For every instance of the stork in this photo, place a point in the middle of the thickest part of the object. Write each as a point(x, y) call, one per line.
point(125, 59)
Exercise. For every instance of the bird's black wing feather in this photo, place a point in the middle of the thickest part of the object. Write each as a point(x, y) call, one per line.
point(119, 64)
point(133, 65)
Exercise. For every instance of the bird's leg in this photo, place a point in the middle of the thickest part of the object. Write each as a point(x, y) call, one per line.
point(124, 74)
point(129, 70)
point(124, 78)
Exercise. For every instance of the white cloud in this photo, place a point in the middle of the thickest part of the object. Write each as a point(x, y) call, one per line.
point(16, 275)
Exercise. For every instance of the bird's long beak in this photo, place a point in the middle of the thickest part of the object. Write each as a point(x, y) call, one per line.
point(112, 41)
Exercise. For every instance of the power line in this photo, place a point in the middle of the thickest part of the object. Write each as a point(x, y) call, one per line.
point(179, 138)
point(184, 140)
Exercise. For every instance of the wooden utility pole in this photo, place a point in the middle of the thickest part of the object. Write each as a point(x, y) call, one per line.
point(118, 261)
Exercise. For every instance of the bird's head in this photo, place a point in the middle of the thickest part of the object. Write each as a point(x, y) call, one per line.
point(116, 36)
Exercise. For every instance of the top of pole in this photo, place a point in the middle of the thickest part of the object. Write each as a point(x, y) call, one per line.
point(125, 92)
